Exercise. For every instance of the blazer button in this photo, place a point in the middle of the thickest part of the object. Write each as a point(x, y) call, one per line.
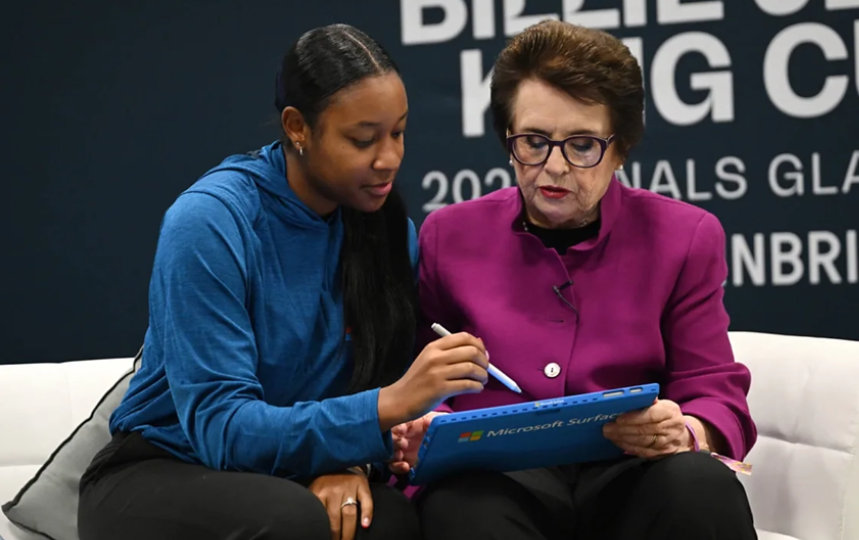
point(552, 370)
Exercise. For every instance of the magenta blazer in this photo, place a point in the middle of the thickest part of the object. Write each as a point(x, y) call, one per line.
point(645, 304)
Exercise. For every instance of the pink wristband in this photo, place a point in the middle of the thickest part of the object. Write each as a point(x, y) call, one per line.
point(733, 464)
point(695, 446)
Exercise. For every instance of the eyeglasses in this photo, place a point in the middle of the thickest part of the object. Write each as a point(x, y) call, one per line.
point(582, 151)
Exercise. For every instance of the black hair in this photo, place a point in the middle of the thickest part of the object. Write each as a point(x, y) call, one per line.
point(378, 282)
point(324, 61)
point(380, 297)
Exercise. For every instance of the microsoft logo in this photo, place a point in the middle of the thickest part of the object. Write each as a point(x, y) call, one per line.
point(470, 436)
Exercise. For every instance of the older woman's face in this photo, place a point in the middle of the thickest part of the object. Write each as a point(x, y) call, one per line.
point(557, 194)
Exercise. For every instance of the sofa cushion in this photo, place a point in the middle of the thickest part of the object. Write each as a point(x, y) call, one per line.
point(47, 504)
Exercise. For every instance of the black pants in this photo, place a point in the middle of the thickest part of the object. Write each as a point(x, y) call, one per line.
point(135, 490)
point(685, 496)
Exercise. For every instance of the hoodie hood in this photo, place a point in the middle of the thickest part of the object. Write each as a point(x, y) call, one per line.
point(266, 167)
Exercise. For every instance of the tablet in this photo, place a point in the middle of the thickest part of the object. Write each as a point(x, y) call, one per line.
point(525, 435)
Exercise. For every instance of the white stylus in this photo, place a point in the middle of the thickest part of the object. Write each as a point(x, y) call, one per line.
point(494, 371)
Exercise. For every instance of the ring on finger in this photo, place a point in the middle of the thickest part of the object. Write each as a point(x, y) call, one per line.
point(349, 501)
point(653, 440)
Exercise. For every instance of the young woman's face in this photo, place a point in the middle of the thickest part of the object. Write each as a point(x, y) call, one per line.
point(557, 194)
point(355, 149)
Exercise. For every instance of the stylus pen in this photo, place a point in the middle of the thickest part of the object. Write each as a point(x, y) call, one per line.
point(494, 371)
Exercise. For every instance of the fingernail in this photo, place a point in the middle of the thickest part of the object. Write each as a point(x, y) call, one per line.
point(365, 522)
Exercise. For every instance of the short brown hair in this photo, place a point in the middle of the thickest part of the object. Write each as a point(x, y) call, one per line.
point(589, 65)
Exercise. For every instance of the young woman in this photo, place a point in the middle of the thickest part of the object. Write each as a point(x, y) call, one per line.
point(282, 316)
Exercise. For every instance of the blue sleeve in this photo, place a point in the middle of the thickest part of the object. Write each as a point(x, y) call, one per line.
point(199, 316)
point(414, 253)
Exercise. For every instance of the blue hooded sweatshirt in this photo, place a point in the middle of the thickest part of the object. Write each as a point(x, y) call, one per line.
point(246, 358)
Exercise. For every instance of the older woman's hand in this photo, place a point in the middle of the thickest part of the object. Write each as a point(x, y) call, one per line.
point(656, 431)
point(407, 442)
point(344, 496)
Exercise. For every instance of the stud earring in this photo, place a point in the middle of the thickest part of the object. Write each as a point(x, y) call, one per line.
point(510, 162)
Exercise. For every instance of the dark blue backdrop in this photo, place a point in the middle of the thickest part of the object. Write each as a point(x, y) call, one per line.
point(111, 109)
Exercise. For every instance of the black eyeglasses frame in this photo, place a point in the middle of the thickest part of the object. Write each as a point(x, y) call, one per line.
point(603, 143)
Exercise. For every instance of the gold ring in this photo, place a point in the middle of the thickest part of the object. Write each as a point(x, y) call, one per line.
point(653, 440)
point(349, 501)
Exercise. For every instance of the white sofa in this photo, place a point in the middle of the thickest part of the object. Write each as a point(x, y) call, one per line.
point(804, 397)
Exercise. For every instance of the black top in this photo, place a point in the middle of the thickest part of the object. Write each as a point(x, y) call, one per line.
point(561, 239)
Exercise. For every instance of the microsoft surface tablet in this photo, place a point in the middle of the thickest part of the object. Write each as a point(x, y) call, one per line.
point(525, 435)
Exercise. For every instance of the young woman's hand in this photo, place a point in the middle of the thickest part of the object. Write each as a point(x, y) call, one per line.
point(454, 364)
point(656, 431)
point(346, 497)
point(407, 442)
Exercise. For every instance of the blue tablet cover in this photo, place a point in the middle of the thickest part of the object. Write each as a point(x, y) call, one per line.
point(534, 434)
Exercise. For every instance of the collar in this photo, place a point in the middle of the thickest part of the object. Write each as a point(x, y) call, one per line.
point(609, 211)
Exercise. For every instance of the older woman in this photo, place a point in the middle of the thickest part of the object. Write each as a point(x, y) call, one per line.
point(577, 283)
